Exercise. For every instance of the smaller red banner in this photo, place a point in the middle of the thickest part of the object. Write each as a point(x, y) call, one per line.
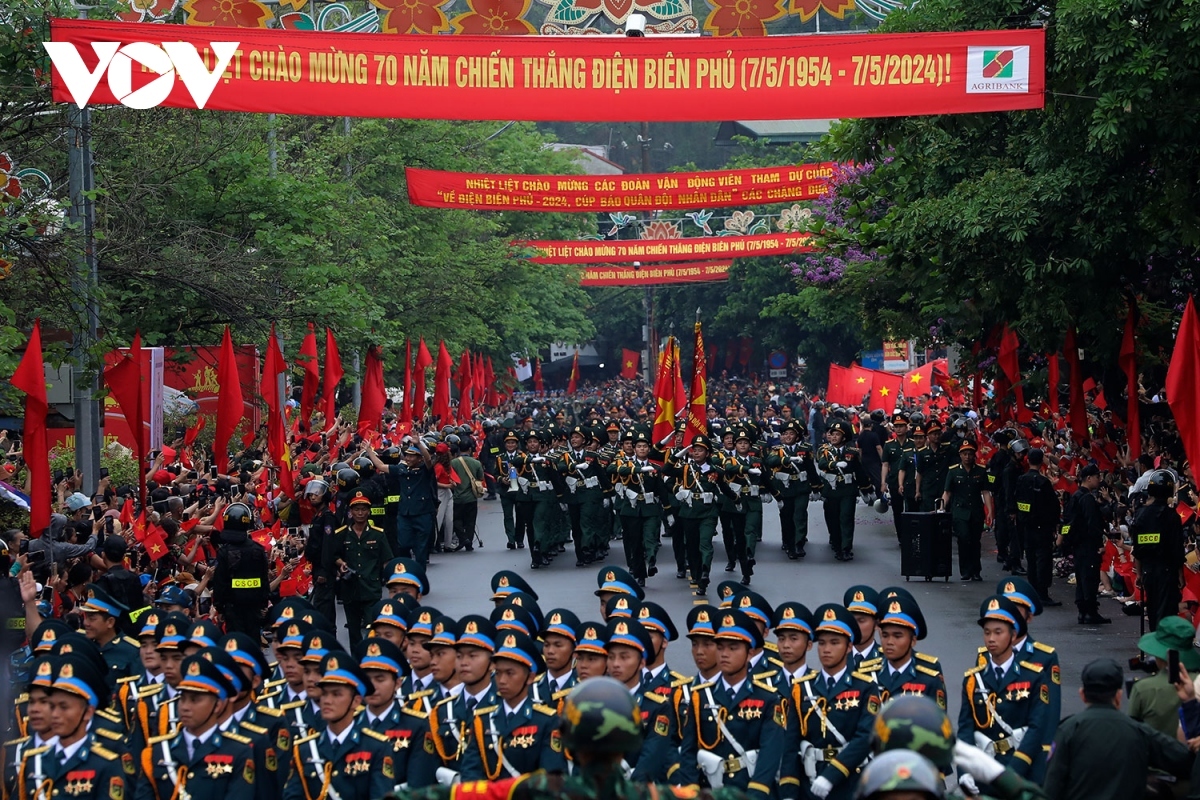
point(656, 273)
point(621, 251)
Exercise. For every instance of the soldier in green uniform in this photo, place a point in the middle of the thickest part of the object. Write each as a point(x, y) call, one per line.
point(907, 672)
point(1006, 700)
point(102, 624)
point(535, 477)
point(932, 466)
point(910, 468)
point(737, 731)
point(833, 709)
point(200, 761)
point(582, 472)
point(357, 555)
point(698, 486)
point(506, 476)
point(967, 497)
point(845, 476)
point(793, 480)
point(639, 485)
point(346, 759)
point(744, 484)
point(895, 452)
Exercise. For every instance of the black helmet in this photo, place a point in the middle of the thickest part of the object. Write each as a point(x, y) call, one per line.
point(447, 430)
point(1162, 484)
point(338, 467)
point(916, 723)
point(878, 417)
point(453, 440)
point(390, 455)
point(238, 517)
point(1019, 447)
point(347, 479)
point(900, 771)
point(364, 467)
point(489, 424)
point(600, 716)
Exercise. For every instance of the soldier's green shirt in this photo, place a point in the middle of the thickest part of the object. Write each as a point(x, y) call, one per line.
point(585, 784)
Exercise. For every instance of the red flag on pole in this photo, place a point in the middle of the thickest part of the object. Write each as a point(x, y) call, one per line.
point(374, 395)
point(190, 436)
point(573, 382)
point(836, 386)
point(30, 378)
point(630, 360)
point(1183, 382)
point(666, 402)
point(230, 406)
point(1077, 412)
point(1052, 381)
point(885, 391)
point(155, 544)
point(277, 445)
point(538, 385)
point(333, 376)
point(677, 375)
point(1128, 361)
point(697, 416)
point(124, 379)
point(919, 382)
point(492, 393)
point(406, 415)
point(424, 359)
point(1009, 361)
point(312, 377)
point(441, 385)
point(466, 378)
point(860, 382)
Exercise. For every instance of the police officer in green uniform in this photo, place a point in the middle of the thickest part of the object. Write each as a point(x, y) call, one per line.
point(1006, 700)
point(906, 671)
point(101, 623)
point(509, 489)
point(639, 485)
point(932, 466)
point(895, 452)
point(359, 552)
point(698, 486)
point(582, 472)
point(793, 480)
point(736, 729)
point(845, 476)
point(967, 496)
point(833, 709)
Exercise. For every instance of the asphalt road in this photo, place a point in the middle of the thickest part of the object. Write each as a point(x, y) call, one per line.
point(460, 584)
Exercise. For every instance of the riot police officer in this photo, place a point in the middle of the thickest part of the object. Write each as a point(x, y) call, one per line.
point(241, 584)
point(1037, 521)
point(320, 534)
point(1158, 548)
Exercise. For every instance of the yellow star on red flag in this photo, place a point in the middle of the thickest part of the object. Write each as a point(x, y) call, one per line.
point(883, 391)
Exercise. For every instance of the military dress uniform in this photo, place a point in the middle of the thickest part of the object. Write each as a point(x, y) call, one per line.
point(744, 480)
point(503, 745)
point(120, 653)
point(95, 770)
point(845, 477)
point(932, 465)
point(639, 485)
point(536, 478)
point(793, 480)
point(966, 487)
point(366, 554)
point(506, 477)
point(542, 785)
point(698, 486)
point(582, 473)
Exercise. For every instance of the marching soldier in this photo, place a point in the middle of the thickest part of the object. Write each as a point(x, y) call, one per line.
point(629, 649)
point(151, 674)
point(506, 475)
point(403, 727)
point(844, 473)
point(744, 477)
point(535, 478)
point(102, 624)
point(1026, 598)
point(558, 636)
point(793, 480)
point(763, 667)
point(613, 581)
point(833, 709)
point(156, 712)
point(698, 484)
point(967, 497)
point(906, 672)
point(581, 470)
point(702, 634)
point(659, 677)
point(639, 485)
point(39, 728)
point(591, 653)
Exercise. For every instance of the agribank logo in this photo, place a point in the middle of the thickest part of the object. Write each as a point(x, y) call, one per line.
point(168, 60)
point(998, 70)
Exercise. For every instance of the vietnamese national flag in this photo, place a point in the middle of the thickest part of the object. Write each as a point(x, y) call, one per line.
point(126, 517)
point(1077, 410)
point(277, 445)
point(919, 382)
point(333, 376)
point(155, 543)
point(424, 359)
point(312, 377)
point(493, 398)
point(441, 386)
point(1183, 382)
point(666, 401)
point(680, 392)
point(1008, 359)
point(1128, 362)
point(837, 390)
point(538, 385)
point(374, 395)
point(140, 527)
point(125, 380)
point(629, 363)
point(860, 382)
point(466, 378)
point(697, 416)
point(885, 391)
point(406, 404)
point(190, 436)
point(230, 406)
point(573, 381)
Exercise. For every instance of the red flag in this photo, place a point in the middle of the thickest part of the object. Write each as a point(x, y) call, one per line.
point(666, 400)
point(406, 403)
point(1077, 410)
point(1052, 381)
point(466, 379)
point(125, 380)
point(1183, 382)
point(277, 444)
point(677, 374)
point(836, 391)
point(30, 378)
point(424, 359)
point(312, 377)
point(919, 382)
point(374, 395)
point(1009, 361)
point(885, 390)
point(333, 376)
point(538, 385)
point(155, 544)
point(629, 364)
point(1128, 362)
point(190, 436)
point(478, 380)
point(127, 512)
point(441, 385)
point(860, 382)
point(573, 382)
point(230, 406)
point(745, 351)
point(140, 527)
point(697, 416)
point(493, 398)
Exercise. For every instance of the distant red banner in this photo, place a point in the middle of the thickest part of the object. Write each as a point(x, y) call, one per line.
point(661, 190)
point(610, 275)
point(547, 78)
point(652, 250)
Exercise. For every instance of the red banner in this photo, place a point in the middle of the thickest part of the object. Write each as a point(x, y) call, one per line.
point(546, 78)
point(663, 190)
point(724, 247)
point(656, 273)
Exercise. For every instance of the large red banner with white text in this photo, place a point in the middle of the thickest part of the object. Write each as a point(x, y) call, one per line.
point(653, 250)
point(662, 190)
point(585, 78)
point(652, 274)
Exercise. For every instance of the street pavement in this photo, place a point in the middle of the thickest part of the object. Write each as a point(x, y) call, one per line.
point(460, 584)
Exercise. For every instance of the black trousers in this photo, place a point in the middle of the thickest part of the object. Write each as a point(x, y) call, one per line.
point(689, 531)
point(1039, 557)
point(324, 600)
point(1004, 539)
point(1087, 581)
point(574, 515)
point(740, 552)
point(678, 544)
point(355, 610)
point(523, 511)
point(635, 546)
point(465, 515)
point(1160, 583)
point(246, 620)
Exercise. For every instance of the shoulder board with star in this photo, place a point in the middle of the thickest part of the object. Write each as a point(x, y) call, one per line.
point(149, 691)
point(928, 659)
point(924, 670)
point(250, 726)
point(1031, 665)
point(771, 646)
point(657, 698)
point(307, 739)
point(237, 737)
point(292, 705)
point(269, 711)
point(111, 716)
point(973, 670)
point(15, 742)
point(863, 676)
point(764, 685)
point(166, 737)
point(128, 679)
point(479, 712)
point(412, 712)
point(107, 734)
point(1045, 648)
point(374, 734)
point(549, 711)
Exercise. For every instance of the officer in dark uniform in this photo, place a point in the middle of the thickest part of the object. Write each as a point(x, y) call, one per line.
point(932, 466)
point(559, 633)
point(241, 585)
point(581, 471)
point(413, 484)
point(200, 761)
point(639, 485)
point(268, 782)
point(698, 486)
point(966, 496)
point(320, 533)
point(629, 648)
point(736, 730)
point(101, 623)
point(906, 671)
point(833, 709)
point(1006, 700)
point(793, 480)
point(1157, 548)
point(489, 455)
point(359, 552)
point(895, 452)
point(1083, 536)
point(501, 465)
point(845, 477)
point(864, 603)
point(34, 723)
point(1037, 523)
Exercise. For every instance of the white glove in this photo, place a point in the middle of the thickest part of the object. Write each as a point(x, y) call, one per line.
point(682, 495)
point(841, 465)
point(755, 471)
point(795, 459)
point(647, 470)
point(537, 459)
point(766, 498)
point(968, 785)
point(705, 467)
point(562, 507)
point(821, 787)
point(581, 468)
point(607, 502)
point(975, 763)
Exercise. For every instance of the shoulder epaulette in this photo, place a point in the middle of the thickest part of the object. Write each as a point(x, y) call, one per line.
point(15, 742)
point(863, 676)
point(128, 679)
point(344, 527)
point(981, 649)
point(37, 751)
point(479, 712)
point(237, 737)
point(561, 693)
point(375, 735)
point(147, 691)
point(867, 667)
point(808, 676)
point(928, 659)
point(1045, 648)
point(871, 662)
point(927, 671)
point(1031, 666)
point(700, 686)
point(22, 698)
point(954, 466)
point(107, 734)
point(291, 705)
point(420, 694)
point(776, 661)
point(774, 648)
point(129, 640)
point(655, 697)
point(679, 676)
point(111, 716)
point(973, 670)
point(767, 687)
point(269, 711)
point(166, 737)
point(549, 711)
point(768, 674)
point(371, 524)
point(308, 738)
point(447, 699)
point(412, 712)
point(250, 726)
